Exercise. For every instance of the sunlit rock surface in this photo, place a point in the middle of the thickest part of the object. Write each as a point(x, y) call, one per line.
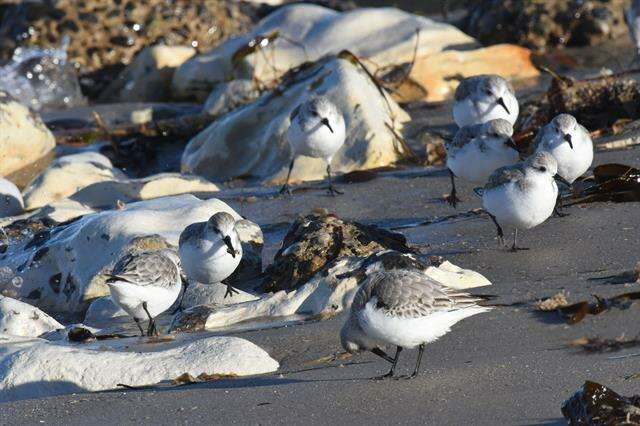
point(21, 319)
point(251, 141)
point(386, 36)
point(25, 142)
point(67, 175)
point(60, 269)
point(32, 368)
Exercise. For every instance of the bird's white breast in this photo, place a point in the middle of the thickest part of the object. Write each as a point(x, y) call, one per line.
point(467, 112)
point(572, 163)
point(131, 296)
point(474, 165)
point(318, 142)
point(208, 261)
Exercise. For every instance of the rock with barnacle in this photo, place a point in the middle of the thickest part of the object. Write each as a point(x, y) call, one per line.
point(62, 268)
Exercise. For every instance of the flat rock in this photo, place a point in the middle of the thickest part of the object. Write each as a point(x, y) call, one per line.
point(25, 142)
point(62, 268)
point(148, 77)
point(325, 294)
point(230, 95)
point(21, 319)
point(67, 175)
point(386, 36)
point(11, 202)
point(33, 368)
point(251, 141)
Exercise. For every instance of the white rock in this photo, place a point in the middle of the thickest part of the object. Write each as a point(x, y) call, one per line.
point(251, 140)
point(66, 272)
point(24, 140)
point(36, 368)
point(67, 175)
point(148, 77)
point(386, 36)
point(21, 319)
point(209, 294)
point(11, 202)
point(327, 293)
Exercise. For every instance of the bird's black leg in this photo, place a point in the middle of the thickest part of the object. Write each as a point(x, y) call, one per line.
point(285, 188)
point(332, 191)
point(151, 330)
point(185, 285)
point(393, 366)
point(515, 247)
point(230, 290)
point(557, 210)
point(139, 326)
point(452, 198)
point(417, 369)
point(382, 354)
point(499, 229)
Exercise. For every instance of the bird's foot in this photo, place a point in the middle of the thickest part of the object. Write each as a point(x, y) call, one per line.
point(558, 213)
point(230, 291)
point(515, 249)
point(406, 377)
point(152, 331)
point(452, 200)
point(389, 375)
point(331, 190)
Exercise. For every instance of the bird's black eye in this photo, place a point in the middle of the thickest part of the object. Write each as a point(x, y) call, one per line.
point(488, 92)
point(543, 169)
point(314, 112)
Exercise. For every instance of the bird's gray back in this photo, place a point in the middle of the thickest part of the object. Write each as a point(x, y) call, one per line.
point(465, 135)
point(146, 269)
point(192, 232)
point(409, 294)
point(507, 174)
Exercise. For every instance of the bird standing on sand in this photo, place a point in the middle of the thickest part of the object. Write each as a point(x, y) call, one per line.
point(523, 195)
point(146, 284)
point(211, 251)
point(406, 309)
point(317, 129)
point(477, 151)
point(481, 98)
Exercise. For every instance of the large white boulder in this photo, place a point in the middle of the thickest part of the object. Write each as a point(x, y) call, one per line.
point(250, 141)
point(11, 202)
point(21, 319)
point(67, 175)
point(385, 36)
point(34, 368)
point(25, 142)
point(62, 269)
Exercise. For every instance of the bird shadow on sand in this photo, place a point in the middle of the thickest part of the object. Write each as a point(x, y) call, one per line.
point(545, 422)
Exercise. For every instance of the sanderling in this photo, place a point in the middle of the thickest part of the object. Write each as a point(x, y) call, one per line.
point(146, 284)
point(523, 195)
point(632, 17)
point(405, 309)
point(481, 98)
point(478, 150)
point(210, 251)
point(317, 130)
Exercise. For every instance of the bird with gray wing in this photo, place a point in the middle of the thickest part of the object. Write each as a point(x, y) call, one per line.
point(406, 309)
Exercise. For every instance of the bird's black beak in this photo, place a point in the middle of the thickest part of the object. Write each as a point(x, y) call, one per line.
point(230, 249)
point(503, 105)
point(567, 137)
point(326, 123)
point(511, 144)
point(562, 180)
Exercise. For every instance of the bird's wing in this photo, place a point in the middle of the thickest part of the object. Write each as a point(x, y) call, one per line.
point(465, 135)
point(464, 88)
point(410, 294)
point(504, 175)
point(190, 232)
point(145, 269)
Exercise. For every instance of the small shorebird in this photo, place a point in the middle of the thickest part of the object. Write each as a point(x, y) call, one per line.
point(523, 195)
point(317, 130)
point(211, 251)
point(146, 284)
point(478, 150)
point(481, 98)
point(570, 144)
point(406, 309)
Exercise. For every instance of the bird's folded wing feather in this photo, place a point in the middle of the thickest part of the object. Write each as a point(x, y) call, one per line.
point(143, 270)
point(505, 175)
